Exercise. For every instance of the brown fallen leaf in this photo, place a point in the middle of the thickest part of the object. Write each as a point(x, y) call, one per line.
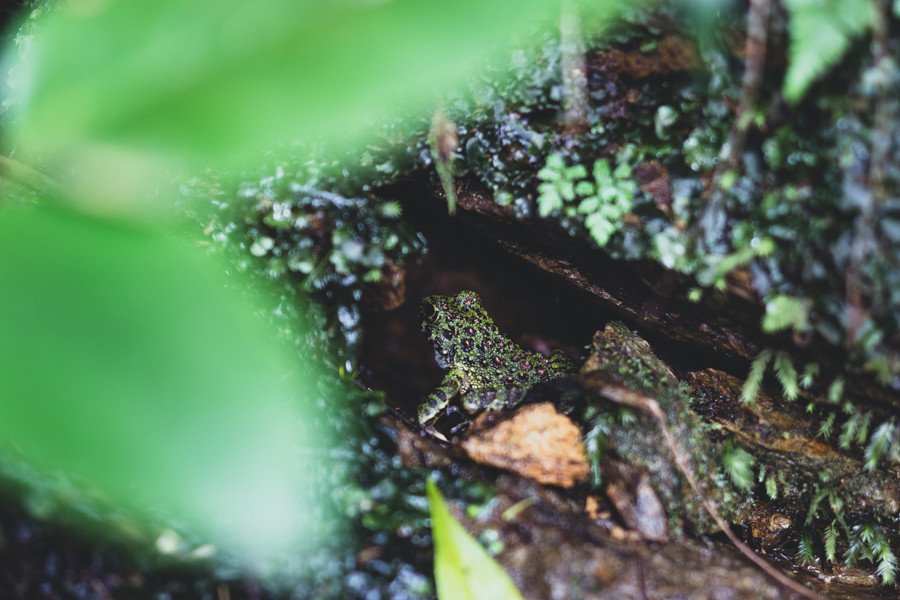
point(536, 442)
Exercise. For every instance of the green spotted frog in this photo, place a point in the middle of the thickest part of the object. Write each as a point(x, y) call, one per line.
point(486, 370)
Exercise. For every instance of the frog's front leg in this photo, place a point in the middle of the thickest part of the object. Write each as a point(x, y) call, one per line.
point(439, 398)
point(492, 399)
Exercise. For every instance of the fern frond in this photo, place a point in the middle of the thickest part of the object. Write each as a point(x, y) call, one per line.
point(810, 372)
point(750, 390)
point(786, 375)
point(863, 431)
point(836, 390)
point(879, 442)
point(830, 538)
point(821, 32)
point(785, 311)
point(867, 534)
point(848, 430)
point(887, 563)
point(771, 488)
point(814, 505)
point(827, 425)
point(738, 464)
point(805, 552)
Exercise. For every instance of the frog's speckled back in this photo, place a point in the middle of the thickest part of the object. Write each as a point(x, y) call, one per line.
point(480, 359)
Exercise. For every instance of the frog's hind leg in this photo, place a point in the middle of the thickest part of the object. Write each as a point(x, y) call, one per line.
point(499, 399)
point(439, 399)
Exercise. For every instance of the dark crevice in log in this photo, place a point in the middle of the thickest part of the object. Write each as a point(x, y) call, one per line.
point(721, 331)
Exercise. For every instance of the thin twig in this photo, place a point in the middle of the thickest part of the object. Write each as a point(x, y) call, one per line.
point(881, 129)
point(574, 72)
point(751, 82)
point(627, 397)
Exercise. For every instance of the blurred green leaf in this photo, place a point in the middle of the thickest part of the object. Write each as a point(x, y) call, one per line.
point(210, 81)
point(786, 311)
point(130, 369)
point(463, 570)
point(821, 31)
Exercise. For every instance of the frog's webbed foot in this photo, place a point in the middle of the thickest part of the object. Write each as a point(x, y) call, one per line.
point(440, 398)
point(493, 399)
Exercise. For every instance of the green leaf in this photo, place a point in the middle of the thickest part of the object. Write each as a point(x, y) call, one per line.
point(584, 188)
point(602, 173)
point(600, 228)
point(221, 81)
point(785, 311)
point(821, 31)
point(623, 171)
point(133, 372)
point(548, 200)
point(463, 570)
point(548, 174)
point(576, 172)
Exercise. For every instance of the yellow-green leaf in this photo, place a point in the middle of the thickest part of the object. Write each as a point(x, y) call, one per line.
point(222, 80)
point(463, 570)
point(821, 31)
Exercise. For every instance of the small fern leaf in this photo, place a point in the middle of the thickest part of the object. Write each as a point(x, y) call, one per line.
point(771, 488)
point(738, 464)
point(848, 430)
point(887, 564)
point(863, 431)
point(836, 390)
point(830, 539)
point(783, 312)
point(827, 426)
point(751, 387)
point(805, 553)
point(881, 439)
point(809, 375)
point(786, 375)
point(814, 505)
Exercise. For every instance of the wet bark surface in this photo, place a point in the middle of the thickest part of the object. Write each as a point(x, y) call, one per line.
point(652, 298)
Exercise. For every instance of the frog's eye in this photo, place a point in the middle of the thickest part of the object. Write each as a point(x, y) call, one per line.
point(428, 312)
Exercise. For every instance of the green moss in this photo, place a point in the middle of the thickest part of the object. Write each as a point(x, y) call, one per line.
point(724, 473)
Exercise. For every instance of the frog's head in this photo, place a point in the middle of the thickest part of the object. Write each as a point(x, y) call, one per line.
point(453, 325)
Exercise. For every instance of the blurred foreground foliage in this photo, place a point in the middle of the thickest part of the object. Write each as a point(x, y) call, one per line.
point(145, 379)
point(800, 212)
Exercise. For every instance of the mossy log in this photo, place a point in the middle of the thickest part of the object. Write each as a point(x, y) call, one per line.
point(723, 325)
